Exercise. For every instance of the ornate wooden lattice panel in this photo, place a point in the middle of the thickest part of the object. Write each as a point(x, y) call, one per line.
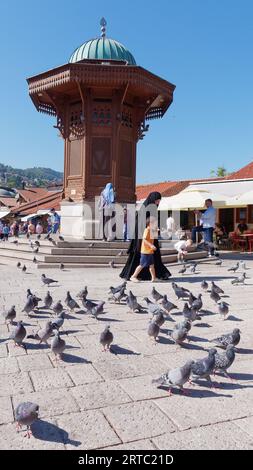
point(101, 115)
point(76, 120)
point(126, 117)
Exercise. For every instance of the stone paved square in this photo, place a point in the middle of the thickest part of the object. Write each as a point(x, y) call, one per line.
point(114, 389)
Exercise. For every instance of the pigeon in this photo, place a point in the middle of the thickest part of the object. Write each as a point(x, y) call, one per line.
point(46, 280)
point(180, 293)
point(132, 303)
point(88, 305)
point(218, 263)
point(178, 335)
point(83, 293)
point(57, 345)
point(58, 307)
point(235, 267)
point(37, 243)
point(61, 266)
point(215, 296)
point(118, 296)
point(159, 319)
point(10, 314)
point(15, 242)
point(193, 269)
point(98, 309)
point(216, 288)
point(156, 295)
point(36, 299)
point(183, 288)
point(197, 304)
point(176, 377)
point(43, 334)
point(25, 415)
point(240, 279)
point(111, 264)
point(71, 303)
point(114, 290)
point(120, 253)
point(36, 250)
point(226, 339)
point(182, 270)
point(203, 368)
point(47, 236)
point(153, 330)
point(223, 309)
point(190, 314)
point(191, 299)
point(204, 285)
point(24, 268)
point(38, 237)
point(225, 360)
point(48, 300)
point(18, 334)
point(18, 264)
point(61, 238)
point(106, 338)
point(167, 305)
point(29, 306)
point(154, 309)
point(183, 324)
point(34, 260)
point(91, 245)
point(58, 322)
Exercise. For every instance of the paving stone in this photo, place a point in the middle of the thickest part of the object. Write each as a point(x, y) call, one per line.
point(6, 413)
point(83, 374)
point(246, 424)
point(223, 436)
point(50, 379)
point(3, 350)
point(98, 395)
point(129, 368)
point(138, 420)
point(88, 430)
point(144, 444)
point(51, 402)
point(34, 361)
point(141, 388)
point(8, 365)
point(15, 383)
point(46, 436)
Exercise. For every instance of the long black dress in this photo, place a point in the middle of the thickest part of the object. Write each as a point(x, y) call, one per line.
point(134, 251)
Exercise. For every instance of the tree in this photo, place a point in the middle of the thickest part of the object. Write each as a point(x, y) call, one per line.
point(220, 172)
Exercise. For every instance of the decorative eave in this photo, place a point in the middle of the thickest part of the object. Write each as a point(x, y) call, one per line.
point(96, 73)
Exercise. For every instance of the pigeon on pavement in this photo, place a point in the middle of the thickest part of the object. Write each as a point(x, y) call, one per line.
point(43, 334)
point(46, 280)
point(18, 334)
point(240, 279)
point(132, 303)
point(223, 309)
point(197, 304)
point(83, 293)
point(57, 323)
point(203, 368)
point(29, 306)
point(57, 345)
point(9, 315)
point(48, 300)
point(226, 339)
point(58, 307)
point(167, 305)
point(235, 267)
point(156, 295)
point(153, 330)
point(98, 309)
point(176, 377)
point(25, 415)
point(224, 360)
point(178, 335)
point(204, 285)
point(216, 288)
point(215, 296)
point(106, 338)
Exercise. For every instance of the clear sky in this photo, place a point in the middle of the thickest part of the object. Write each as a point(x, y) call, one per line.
point(204, 47)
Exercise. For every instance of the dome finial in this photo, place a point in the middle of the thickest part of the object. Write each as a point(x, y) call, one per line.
point(103, 26)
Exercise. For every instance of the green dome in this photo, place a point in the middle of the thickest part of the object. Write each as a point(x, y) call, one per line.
point(102, 48)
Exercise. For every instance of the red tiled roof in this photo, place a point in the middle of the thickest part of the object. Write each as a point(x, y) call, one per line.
point(31, 194)
point(243, 173)
point(167, 188)
point(52, 199)
point(8, 201)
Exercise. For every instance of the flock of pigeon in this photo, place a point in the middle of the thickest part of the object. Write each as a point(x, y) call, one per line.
point(159, 307)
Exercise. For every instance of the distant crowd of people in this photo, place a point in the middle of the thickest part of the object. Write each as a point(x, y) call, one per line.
point(31, 227)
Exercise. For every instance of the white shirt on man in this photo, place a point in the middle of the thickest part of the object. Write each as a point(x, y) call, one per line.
point(170, 224)
point(208, 218)
point(181, 246)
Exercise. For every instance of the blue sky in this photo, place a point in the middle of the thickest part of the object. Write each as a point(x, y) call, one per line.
point(204, 47)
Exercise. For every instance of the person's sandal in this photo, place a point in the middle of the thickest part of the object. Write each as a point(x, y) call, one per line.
point(134, 279)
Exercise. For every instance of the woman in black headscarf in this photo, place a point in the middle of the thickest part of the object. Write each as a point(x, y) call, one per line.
point(134, 250)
